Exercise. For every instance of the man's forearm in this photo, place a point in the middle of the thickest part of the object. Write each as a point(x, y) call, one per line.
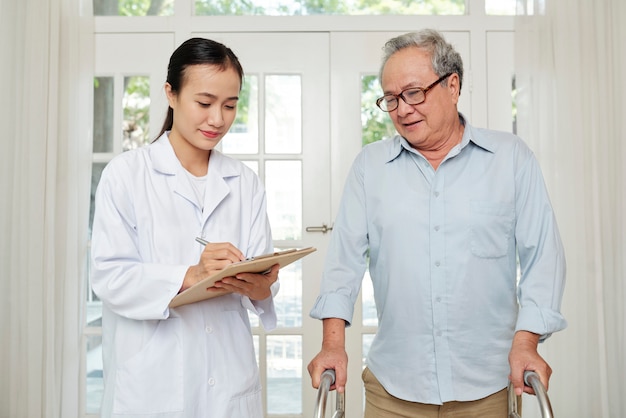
point(334, 333)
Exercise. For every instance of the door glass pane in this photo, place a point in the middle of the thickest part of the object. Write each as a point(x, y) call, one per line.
point(96, 172)
point(243, 137)
point(288, 301)
point(375, 123)
point(133, 7)
point(284, 374)
point(103, 114)
point(136, 105)
point(514, 104)
point(500, 7)
point(342, 7)
point(94, 384)
point(513, 7)
point(283, 114)
point(255, 341)
point(283, 184)
point(253, 165)
point(367, 343)
point(370, 318)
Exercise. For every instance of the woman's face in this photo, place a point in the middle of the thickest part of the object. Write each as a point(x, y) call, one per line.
point(205, 107)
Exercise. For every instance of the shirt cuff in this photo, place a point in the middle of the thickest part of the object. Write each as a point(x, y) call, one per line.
point(333, 305)
point(543, 322)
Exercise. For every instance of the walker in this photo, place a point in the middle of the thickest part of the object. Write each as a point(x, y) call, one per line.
point(530, 378)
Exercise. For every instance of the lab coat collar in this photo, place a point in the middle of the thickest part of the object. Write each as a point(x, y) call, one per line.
point(220, 168)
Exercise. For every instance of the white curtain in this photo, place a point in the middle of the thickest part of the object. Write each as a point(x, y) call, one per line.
point(570, 73)
point(44, 181)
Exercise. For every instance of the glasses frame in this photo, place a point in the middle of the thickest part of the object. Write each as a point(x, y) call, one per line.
point(401, 94)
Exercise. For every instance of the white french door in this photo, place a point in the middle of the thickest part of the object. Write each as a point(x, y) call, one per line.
point(283, 133)
point(290, 72)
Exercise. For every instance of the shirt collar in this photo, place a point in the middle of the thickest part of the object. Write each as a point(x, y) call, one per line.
point(470, 134)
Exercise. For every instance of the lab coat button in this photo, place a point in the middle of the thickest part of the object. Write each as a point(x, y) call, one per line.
point(208, 329)
point(211, 382)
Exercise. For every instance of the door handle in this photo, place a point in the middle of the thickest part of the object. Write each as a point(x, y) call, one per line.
point(323, 229)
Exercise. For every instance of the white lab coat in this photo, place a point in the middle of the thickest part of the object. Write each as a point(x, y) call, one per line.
point(197, 360)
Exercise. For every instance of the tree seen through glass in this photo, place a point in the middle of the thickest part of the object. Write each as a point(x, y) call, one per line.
point(329, 7)
point(133, 7)
point(376, 124)
point(281, 7)
point(136, 107)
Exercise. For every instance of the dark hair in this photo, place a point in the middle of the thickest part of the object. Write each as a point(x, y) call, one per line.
point(445, 59)
point(196, 51)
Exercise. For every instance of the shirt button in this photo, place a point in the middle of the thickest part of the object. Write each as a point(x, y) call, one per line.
point(438, 299)
point(211, 382)
point(437, 228)
point(208, 329)
point(437, 263)
point(436, 194)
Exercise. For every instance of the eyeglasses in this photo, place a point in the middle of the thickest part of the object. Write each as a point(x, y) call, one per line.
point(411, 96)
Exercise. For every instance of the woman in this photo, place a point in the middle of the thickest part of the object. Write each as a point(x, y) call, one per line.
point(196, 360)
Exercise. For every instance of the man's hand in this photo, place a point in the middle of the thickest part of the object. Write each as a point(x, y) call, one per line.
point(332, 356)
point(523, 356)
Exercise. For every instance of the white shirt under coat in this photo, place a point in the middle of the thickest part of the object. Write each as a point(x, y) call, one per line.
point(196, 360)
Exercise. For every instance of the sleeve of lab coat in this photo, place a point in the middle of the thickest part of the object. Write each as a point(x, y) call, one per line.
point(126, 285)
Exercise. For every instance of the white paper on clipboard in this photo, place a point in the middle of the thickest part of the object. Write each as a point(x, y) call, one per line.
point(257, 264)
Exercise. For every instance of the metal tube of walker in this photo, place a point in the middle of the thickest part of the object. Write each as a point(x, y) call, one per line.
point(326, 381)
point(531, 379)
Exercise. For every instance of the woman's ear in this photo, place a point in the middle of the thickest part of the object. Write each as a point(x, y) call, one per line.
point(170, 94)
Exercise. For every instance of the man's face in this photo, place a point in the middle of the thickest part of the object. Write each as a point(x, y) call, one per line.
point(429, 125)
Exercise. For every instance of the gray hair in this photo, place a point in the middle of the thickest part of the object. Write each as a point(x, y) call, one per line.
point(445, 59)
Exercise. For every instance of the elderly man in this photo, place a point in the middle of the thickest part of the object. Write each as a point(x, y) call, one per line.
point(441, 213)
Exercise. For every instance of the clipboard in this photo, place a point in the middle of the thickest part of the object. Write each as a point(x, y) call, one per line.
point(257, 264)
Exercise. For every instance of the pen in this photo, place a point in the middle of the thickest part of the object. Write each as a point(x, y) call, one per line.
point(205, 242)
point(202, 241)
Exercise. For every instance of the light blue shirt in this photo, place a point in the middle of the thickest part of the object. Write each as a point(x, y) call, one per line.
point(442, 249)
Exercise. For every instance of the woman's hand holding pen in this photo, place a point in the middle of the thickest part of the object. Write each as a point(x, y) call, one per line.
point(214, 258)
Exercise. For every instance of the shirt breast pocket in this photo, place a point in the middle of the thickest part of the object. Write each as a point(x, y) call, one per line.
point(491, 230)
